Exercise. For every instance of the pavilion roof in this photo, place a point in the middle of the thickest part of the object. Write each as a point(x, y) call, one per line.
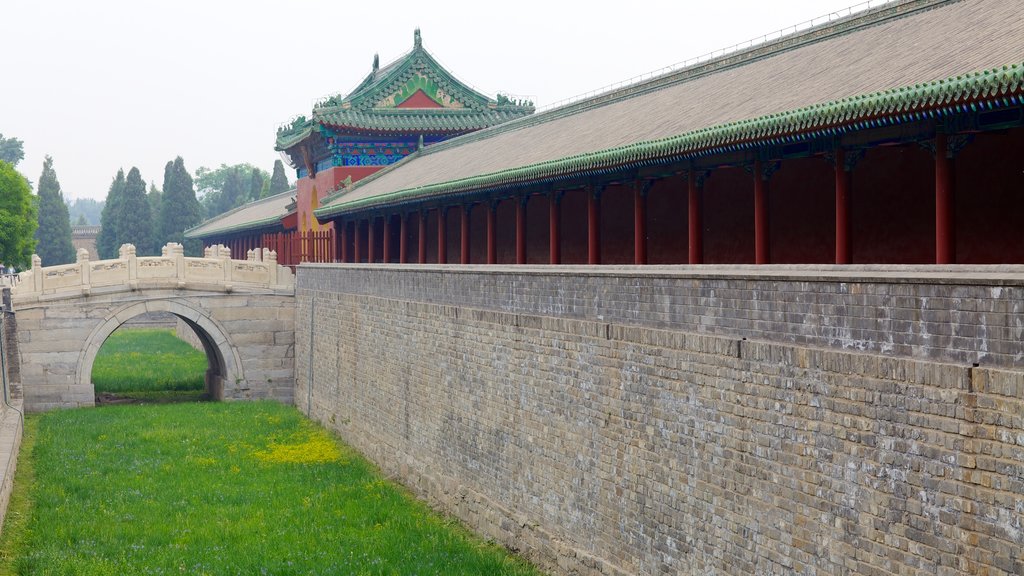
point(906, 59)
point(374, 105)
point(264, 213)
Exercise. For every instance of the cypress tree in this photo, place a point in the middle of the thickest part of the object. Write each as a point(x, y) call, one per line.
point(53, 236)
point(17, 218)
point(153, 197)
point(279, 181)
point(232, 194)
point(255, 185)
point(109, 239)
point(81, 221)
point(179, 208)
point(134, 223)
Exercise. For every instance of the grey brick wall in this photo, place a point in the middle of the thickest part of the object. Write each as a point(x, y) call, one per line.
point(671, 424)
point(959, 314)
point(10, 366)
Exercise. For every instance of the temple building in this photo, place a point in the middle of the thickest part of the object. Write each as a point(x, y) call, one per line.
point(396, 110)
point(890, 136)
point(893, 136)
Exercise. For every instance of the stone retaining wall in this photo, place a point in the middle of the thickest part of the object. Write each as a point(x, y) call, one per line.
point(11, 423)
point(660, 422)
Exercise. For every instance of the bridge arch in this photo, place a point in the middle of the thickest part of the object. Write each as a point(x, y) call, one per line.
point(223, 362)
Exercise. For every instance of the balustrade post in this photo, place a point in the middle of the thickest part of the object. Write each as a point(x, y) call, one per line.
point(37, 273)
point(270, 257)
point(82, 259)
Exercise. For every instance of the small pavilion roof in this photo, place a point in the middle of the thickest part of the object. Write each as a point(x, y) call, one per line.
point(907, 58)
point(264, 213)
point(376, 105)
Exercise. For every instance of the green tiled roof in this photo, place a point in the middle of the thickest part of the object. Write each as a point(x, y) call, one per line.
point(372, 106)
point(920, 59)
point(265, 213)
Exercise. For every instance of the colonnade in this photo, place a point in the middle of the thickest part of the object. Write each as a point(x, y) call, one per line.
point(364, 246)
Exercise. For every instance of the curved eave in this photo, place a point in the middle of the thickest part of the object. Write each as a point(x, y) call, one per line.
point(290, 140)
point(986, 89)
point(417, 121)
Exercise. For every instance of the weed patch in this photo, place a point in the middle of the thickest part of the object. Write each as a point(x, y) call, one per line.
point(217, 489)
point(145, 360)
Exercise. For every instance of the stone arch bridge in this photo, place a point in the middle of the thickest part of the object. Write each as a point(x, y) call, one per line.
point(242, 311)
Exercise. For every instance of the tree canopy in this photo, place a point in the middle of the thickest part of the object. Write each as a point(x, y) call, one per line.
point(179, 208)
point(279, 181)
point(135, 225)
point(109, 239)
point(53, 236)
point(88, 208)
point(17, 218)
point(11, 150)
point(229, 187)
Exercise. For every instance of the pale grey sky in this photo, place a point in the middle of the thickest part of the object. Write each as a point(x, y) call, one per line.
point(108, 84)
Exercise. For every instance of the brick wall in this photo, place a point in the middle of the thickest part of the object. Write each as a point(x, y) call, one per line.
point(660, 422)
point(10, 366)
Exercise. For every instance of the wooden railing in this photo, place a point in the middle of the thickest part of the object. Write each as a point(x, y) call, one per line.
point(295, 247)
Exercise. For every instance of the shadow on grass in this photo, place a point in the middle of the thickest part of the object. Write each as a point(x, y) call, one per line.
point(152, 397)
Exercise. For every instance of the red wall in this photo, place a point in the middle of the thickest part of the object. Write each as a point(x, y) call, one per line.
point(667, 218)
point(801, 207)
point(893, 206)
point(989, 175)
point(729, 217)
point(325, 182)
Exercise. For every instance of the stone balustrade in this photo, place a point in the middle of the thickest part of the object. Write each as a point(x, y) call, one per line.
point(172, 269)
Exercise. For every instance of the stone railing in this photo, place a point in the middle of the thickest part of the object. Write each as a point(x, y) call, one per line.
point(172, 269)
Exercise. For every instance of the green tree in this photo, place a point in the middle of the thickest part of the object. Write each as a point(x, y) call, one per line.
point(53, 236)
point(17, 218)
point(82, 221)
point(238, 179)
point(179, 209)
point(256, 185)
point(232, 194)
point(154, 198)
point(88, 208)
point(109, 239)
point(11, 150)
point(135, 224)
point(279, 181)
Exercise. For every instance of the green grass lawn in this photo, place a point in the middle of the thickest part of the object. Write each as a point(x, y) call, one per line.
point(145, 362)
point(217, 488)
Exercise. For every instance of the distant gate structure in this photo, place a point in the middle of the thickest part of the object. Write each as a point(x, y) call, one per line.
point(241, 310)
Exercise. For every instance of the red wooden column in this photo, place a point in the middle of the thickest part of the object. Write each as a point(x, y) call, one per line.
point(640, 221)
point(844, 248)
point(945, 223)
point(422, 246)
point(403, 244)
point(762, 238)
point(554, 228)
point(492, 233)
point(371, 252)
point(357, 238)
point(521, 229)
point(695, 217)
point(386, 252)
point(594, 225)
point(343, 240)
point(467, 211)
point(442, 235)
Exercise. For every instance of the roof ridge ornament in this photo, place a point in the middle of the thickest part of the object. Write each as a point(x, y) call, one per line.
point(417, 40)
point(376, 62)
